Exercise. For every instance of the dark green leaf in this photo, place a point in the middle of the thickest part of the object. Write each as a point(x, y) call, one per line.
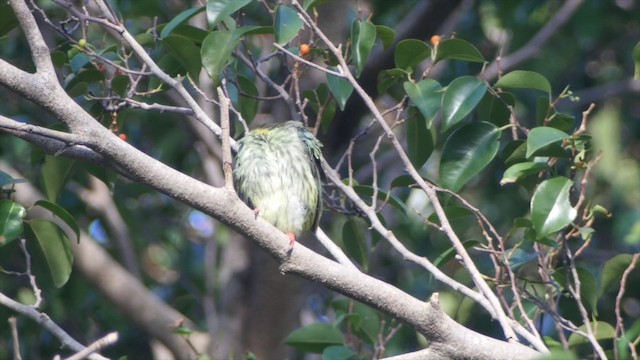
point(363, 36)
point(411, 52)
point(602, 331)
point(542, 137)
point(514, 152)
point(11, 216)
point(322, 103)
point(457, 49)
point(340, 88)
point(78, 62)
point(247, 103)
point(216, 52)
point(561, 121)
point(55, 172)
point(287, 24)
point(219, 9)
point(521, 170)
point(460, 98)
point(383, 196)
point(521, 79)
point(426, 95)
point(55, 246)
point(314, 338)
point(178, 20)
point(519, 257)
point(419, 141)
point(551, 209)
point(588, 287)
point(355, 241)
point(365, 323)
point(8, 20)
point(386, 34)
point(613, 270)
point(466, 152)
point(63, 214)
point(389, 78)
point(120, 84)
point(450, 253)
point(494, 109)
point(338, 352)
point(185, 51)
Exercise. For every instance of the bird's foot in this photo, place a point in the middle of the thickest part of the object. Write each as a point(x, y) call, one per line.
point(292, 240)
point(256, 212)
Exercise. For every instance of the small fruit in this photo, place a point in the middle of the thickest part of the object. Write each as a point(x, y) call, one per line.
point(305, 49)
point(122, 136)
point(435, 40)
point(82, 42)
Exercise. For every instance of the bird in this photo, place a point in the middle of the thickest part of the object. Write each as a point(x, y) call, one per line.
point(277, 173)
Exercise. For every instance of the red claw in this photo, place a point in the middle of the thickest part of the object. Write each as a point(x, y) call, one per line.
point(292, 239)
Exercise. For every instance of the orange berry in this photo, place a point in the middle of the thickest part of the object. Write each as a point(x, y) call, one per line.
point(435, 40)
point(305, 49)
point(123, 136)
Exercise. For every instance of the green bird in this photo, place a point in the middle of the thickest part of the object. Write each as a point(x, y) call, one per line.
point(277, 174)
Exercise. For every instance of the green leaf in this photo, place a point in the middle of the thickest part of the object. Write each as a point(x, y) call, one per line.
point(11, 216)
point(419, 141)
point(55, 172)
point(355, 241)
point(389, 78)
point(183, 49)
point(519, 171)
point(78, 62)
point(216, 52)
point(466, 152)
point(521, 79)
point(322, 103)
point(340, 88)
point(519, 257)
point(62, 213)
point(426, 95)
point(450, 253)
point(410, 52)
point(220, 9)
point(287, 24)
point(367, 190)
point(178, 20)
point(612, 271)
point(514, 152)
point(247, 103)
point(602, 330)
point(6, 179)
point(457, 49)
point(588, 288)
point(386, 34)
point(494, 109)
point(365, 323)
point(55, 246)
point(363, 36)
point(541, 137)
point(8, 20)
point(460, 98)
point(561, 121)
point(120, 84)
point(636, 60)
point(314, 338)
point(338, 352)
point(551, 209)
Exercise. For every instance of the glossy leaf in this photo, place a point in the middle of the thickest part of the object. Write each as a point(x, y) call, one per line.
point(514, 152)
point(287, 24)
point(248, 104)
point(338, 352)
point(519, 257)
point(426, 95)
point(55, 172)
point(11, 216)
point(411, 52)
point(178, 20)
point(601, 329)
point(613, 270)
point(6, 179)
point(61, 213)
point(386, 34)
point(363, 36)
point(314, 338)
point(551, 209)
point(389, 78)
point(521, 79)
point(216, 52)
point(183, 49)
point(460, 98)
point(78, 61)
point(120, 84)
point(494, 110)
point(521, 170)
point(56, 248)
point(219, 9)
point(355, 242)
point(457, 49)
point(541, 137)
point(340, 88)
point(466, 152)
point(588, 287)
point(419, 141)
point(562, 121)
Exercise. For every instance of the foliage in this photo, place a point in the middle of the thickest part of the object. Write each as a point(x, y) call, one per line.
point(489, 185)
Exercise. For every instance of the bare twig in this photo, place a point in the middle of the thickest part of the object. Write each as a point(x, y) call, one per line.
point(620, 330)
point(13, 323)
point(96, 346)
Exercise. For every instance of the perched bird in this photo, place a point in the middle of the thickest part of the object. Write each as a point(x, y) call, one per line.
point(277, 174)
